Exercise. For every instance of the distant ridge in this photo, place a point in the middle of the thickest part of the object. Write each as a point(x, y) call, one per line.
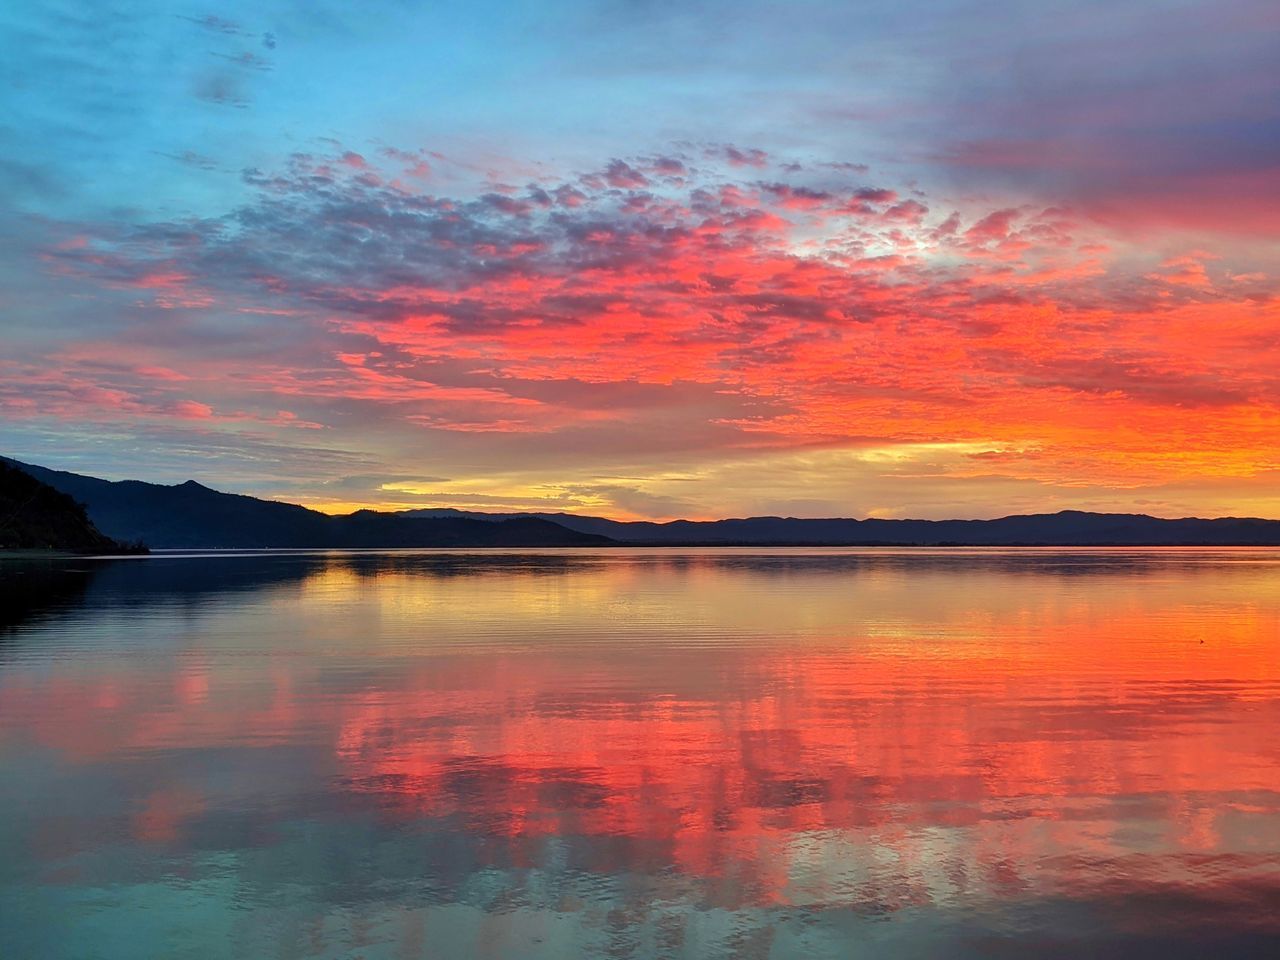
point(190, 515)
point(1066, 528)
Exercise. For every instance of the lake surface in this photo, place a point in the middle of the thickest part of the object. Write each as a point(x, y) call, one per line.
point(626, 753)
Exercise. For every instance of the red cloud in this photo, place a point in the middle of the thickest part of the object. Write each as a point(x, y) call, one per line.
point(779, 314)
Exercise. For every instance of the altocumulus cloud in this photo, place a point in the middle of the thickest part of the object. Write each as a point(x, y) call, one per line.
point(682, 301)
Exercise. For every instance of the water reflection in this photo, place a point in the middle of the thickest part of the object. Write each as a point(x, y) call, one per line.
point(630, 753)
point(32, 588)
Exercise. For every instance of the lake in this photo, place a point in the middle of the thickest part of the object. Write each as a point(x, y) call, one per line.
point(792, 753)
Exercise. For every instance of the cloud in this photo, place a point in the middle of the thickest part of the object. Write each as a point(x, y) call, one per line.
point(975, 225)
point(222, 88)
point(625, 500)
point(744, 158)
point(1142, 119)
point(190, 158)
point(215, 24)
point(994, 226)
point(578, 321)
point(622, 175)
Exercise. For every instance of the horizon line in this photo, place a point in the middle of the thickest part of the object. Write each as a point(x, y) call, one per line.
point(524, 511)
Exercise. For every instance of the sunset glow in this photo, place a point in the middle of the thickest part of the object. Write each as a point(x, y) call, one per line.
point(920, 265)
point(888, 735)
point(640, 479)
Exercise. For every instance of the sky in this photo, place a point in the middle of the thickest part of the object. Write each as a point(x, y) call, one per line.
point(649, 259)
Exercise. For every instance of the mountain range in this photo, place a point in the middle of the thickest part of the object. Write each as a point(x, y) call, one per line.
point(190, 515)
point(1065, 528)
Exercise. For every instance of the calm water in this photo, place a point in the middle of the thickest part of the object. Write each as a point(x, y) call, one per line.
point(784, 754)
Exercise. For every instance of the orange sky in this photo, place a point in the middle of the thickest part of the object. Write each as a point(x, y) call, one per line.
point(766, 284)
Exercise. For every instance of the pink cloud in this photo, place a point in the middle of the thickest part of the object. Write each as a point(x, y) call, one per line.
point(774, 315)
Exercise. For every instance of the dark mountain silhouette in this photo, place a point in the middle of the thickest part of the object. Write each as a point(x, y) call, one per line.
point(190, 515)
point(1067, 528)
point(36, 516)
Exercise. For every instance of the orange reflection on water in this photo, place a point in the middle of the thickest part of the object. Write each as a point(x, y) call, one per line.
point(890, 729)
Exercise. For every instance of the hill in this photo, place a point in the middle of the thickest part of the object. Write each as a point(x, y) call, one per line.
point(35, 516)
point(1066, 528)
point(190, 515)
